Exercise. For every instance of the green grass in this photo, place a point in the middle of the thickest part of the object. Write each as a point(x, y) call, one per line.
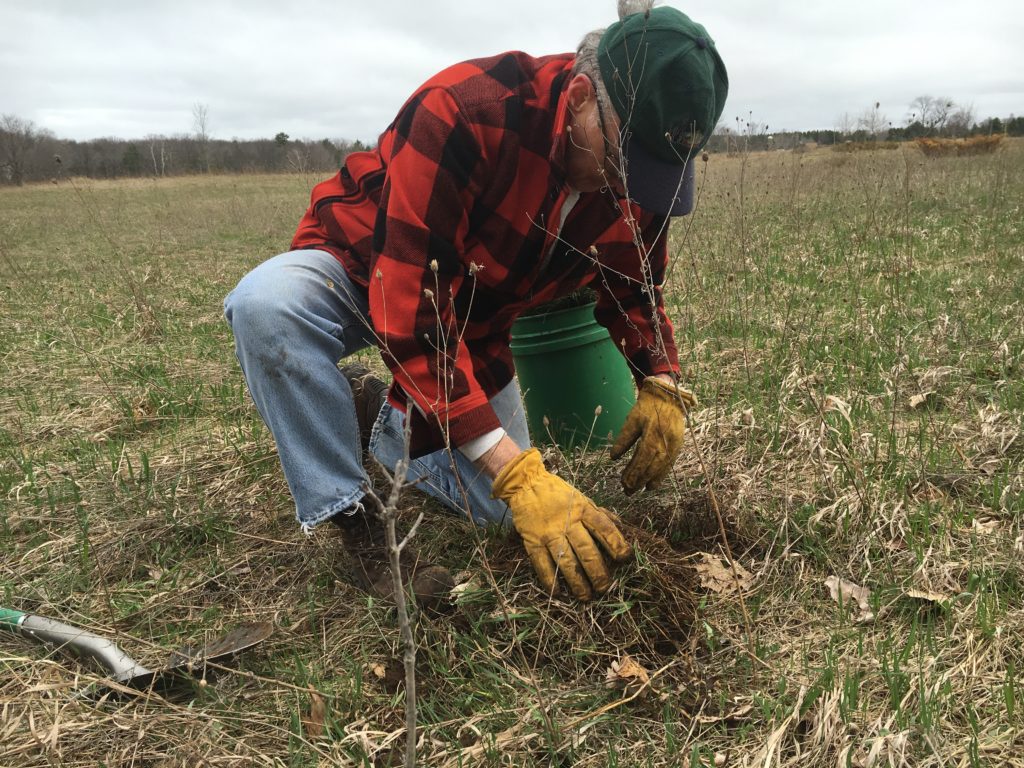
point(813, 295)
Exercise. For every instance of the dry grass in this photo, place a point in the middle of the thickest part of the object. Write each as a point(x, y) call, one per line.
point(816, 297)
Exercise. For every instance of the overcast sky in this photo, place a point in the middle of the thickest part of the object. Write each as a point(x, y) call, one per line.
point(89, 68)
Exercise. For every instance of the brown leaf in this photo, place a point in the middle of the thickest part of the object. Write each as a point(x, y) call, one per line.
point(627, 674)
point(985, 526)
point(740, 713)
point(466, 590)
point(719, 577)
point(389, 673)
point(931, 599)
point(845, 592)
point(313, 722)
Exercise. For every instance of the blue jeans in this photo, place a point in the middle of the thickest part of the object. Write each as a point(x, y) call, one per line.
point(294, 317)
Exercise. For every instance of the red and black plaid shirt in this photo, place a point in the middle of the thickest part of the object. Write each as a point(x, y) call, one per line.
point(451, 224)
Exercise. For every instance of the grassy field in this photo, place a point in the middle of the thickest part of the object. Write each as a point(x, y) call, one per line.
point(853, 324)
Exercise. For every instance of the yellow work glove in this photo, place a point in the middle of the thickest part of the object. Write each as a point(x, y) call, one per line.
point(559, 526)
point(658, 422)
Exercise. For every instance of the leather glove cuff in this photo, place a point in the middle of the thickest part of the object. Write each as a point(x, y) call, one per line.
point(669, 392)
point(518, 474)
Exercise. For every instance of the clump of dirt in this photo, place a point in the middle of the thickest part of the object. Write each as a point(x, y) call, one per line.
point(689, 524)
point(663, 589)
point(648, 613)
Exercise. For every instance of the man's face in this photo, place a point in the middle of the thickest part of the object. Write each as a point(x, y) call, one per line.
point(592, 152)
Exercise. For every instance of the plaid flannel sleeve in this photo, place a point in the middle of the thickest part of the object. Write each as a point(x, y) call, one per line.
point(435, 158)
point(631, 304)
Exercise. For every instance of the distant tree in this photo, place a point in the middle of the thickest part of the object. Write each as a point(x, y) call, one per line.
point(915, 130)
point(873, 123)
point(990, 126)
point(932, 112)
point(960, 121)
point(201, 127)
point(18, 139)
point(157, 154)
point(201, 121)
point(281, 139)
point(131, 160)
point(845, 125)
point(1015, 126)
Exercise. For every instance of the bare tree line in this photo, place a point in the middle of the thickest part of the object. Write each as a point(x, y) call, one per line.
point(926, 116)
point(932, 116)
point(29, 153)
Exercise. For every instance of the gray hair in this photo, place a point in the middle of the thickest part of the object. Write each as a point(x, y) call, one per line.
point(586, 53)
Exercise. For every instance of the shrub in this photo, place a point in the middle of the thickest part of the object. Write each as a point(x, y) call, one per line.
point(975, 145)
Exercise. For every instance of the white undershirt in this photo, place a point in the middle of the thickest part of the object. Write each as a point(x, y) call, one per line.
point(478, 446)
point(570, 202)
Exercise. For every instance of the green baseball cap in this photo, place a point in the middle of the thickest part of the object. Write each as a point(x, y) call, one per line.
point(668, 85)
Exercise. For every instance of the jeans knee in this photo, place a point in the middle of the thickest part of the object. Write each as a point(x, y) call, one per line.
point(251, 312)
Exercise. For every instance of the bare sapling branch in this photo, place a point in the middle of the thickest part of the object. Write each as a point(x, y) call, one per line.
point(388, 513)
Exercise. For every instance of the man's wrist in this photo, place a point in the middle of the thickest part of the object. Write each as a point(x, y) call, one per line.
point(493, 461)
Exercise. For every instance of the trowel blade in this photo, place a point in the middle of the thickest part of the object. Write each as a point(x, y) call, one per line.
point(238, 639)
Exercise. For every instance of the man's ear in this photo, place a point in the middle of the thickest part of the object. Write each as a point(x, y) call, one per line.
point(579, 91)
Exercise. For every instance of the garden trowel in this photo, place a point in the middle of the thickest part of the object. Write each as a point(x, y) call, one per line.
point(173, 680)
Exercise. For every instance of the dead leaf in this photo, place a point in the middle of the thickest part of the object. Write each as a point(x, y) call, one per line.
point(844, 592)
point(740, 713)
point(390, 674)
point(627, 674)
point(923, 398)
point(313, 722)
point(985, 526)
point(464, 590)
point(926, 596)
point(719, 577)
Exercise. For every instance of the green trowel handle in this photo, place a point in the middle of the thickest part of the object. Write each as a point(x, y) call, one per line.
point(11, 619)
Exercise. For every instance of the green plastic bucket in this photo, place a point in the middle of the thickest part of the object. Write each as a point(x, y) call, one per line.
point(568, 367)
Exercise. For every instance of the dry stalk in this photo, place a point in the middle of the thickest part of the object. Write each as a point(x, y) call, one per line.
point(388, 513)
point(649, 289)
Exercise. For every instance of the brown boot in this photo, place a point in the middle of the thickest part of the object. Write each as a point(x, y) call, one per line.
point(369, 394)
point(366, 543)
